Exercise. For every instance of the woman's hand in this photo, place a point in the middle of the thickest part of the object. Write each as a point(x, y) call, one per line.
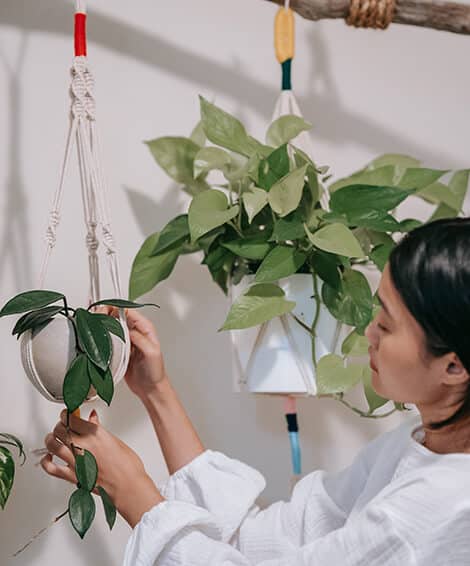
point(120, 470)
point(146, 370)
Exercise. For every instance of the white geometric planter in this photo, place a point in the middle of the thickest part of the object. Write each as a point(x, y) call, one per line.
point(47, 355)
point(276, 357)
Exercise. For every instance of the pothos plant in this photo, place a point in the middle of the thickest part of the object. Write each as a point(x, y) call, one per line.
point(7, 464)
point(89, 367)
point(256, 209)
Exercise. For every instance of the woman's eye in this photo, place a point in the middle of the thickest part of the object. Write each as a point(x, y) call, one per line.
point(381, 327)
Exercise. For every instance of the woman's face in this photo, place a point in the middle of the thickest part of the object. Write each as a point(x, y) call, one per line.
point(401, 369)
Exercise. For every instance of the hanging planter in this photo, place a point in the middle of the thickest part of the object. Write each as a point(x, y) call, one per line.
point(257, 216)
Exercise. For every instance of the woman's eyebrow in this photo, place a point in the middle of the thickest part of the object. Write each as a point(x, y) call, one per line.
point(384, 306)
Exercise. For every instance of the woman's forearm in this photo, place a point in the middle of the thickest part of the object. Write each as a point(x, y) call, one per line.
point(178, 438)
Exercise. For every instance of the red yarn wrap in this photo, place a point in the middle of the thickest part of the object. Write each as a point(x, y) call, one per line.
point(80, 34)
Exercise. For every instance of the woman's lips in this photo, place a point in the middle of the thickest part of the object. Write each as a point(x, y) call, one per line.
point(371, 363)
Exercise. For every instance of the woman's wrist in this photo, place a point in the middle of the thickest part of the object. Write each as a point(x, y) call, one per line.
point(142, 496)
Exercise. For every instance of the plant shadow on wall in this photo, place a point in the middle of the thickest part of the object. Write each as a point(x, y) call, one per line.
point(263, 218)
point(54, 16)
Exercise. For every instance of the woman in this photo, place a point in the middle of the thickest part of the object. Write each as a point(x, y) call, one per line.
point(405, 500)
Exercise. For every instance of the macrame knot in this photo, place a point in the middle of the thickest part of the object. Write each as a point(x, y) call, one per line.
point(54, 219)
point(108, 239)
point(371, 13)
point(92, 242)
point(82, 90)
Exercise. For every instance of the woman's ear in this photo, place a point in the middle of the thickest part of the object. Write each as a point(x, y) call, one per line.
point(455, 373)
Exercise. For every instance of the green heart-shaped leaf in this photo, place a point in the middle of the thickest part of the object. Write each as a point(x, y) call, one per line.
point(355, 345)
point(281, 261)
point(333, 377)
point(285, 195)
point(252, 248)
point(173, 233)
point(209, 210)
point(286, 128)
point(273, 168)
point(210, 159)
point(147, 270)
point(254, 200)
point(336, 238)
point(256, 305)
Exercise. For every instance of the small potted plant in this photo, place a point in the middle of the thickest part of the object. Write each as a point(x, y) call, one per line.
point(71, 355)
point(256, 214)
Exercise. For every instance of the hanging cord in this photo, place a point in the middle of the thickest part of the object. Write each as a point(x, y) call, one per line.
point(290, 410)
point(376, 14)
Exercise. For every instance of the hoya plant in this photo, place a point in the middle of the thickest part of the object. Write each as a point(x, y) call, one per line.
point(90, 367)
point(258, 209)
point(7, 464)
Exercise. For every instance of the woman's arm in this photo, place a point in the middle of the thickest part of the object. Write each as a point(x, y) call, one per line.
point(178, 438)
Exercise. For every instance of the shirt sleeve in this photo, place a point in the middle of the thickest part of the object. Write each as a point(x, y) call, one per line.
point(175, 534)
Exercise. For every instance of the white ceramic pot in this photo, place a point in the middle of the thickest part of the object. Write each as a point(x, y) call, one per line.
point(276, 357)
point(46, 355)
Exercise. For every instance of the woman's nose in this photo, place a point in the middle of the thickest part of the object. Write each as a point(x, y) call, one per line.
point(371, 333)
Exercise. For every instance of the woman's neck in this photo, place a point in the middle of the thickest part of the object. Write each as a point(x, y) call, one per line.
point(449, 439)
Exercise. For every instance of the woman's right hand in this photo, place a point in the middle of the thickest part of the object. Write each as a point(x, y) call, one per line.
point(146, 370)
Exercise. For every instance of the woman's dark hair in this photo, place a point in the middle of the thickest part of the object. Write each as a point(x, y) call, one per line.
point(430, 268)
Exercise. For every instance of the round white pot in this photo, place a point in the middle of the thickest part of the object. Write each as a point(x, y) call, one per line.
point(276, 357)
point(46, 355)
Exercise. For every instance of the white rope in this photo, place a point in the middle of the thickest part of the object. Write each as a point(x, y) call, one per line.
point(286, 4)
point(80, 6)
point(83, 132)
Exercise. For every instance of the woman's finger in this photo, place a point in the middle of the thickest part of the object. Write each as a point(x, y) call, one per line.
point(76, 424)
point(65, 436)
point(143, 343)
point(58, 471)
point(138, 321)
point(59, 449)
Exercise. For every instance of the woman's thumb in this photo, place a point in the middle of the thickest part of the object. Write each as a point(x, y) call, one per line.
point(93, 417)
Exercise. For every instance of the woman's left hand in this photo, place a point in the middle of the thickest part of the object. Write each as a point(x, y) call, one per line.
point(120, 470)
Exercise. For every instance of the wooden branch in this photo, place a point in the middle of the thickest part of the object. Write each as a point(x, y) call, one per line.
point(436, 14)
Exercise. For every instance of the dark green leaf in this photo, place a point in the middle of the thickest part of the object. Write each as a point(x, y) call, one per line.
point(102, 381)
point(7, 475)
point(35, 318)
point(326, 266)
point(281, 261)
point(94, 337)
point(173, 233)
point(288, 228)
point(147, 270)
point(76, 383)
point(30, 300)
point(361, 198)
point(81, 510)
point(352, 304)
point(123, 304)
point(273, 168)
point(251, 248)
point(109, 508)
point(380, 254)
point(86, 470)
point(112, 324)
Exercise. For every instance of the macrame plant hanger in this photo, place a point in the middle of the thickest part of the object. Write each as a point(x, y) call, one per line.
point(362, 13)
point(83, 133)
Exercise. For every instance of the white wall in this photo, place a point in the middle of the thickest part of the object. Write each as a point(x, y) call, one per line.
point(366, 92)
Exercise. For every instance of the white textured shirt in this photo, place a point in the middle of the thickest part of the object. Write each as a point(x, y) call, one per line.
point(397, 504)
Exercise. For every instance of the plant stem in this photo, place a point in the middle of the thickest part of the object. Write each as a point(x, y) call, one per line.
point(240, 205)
point(301, 322)
point(235, 227)
point(41, 531)
point(368, 415)
point(66, 307)
point(315, 319)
